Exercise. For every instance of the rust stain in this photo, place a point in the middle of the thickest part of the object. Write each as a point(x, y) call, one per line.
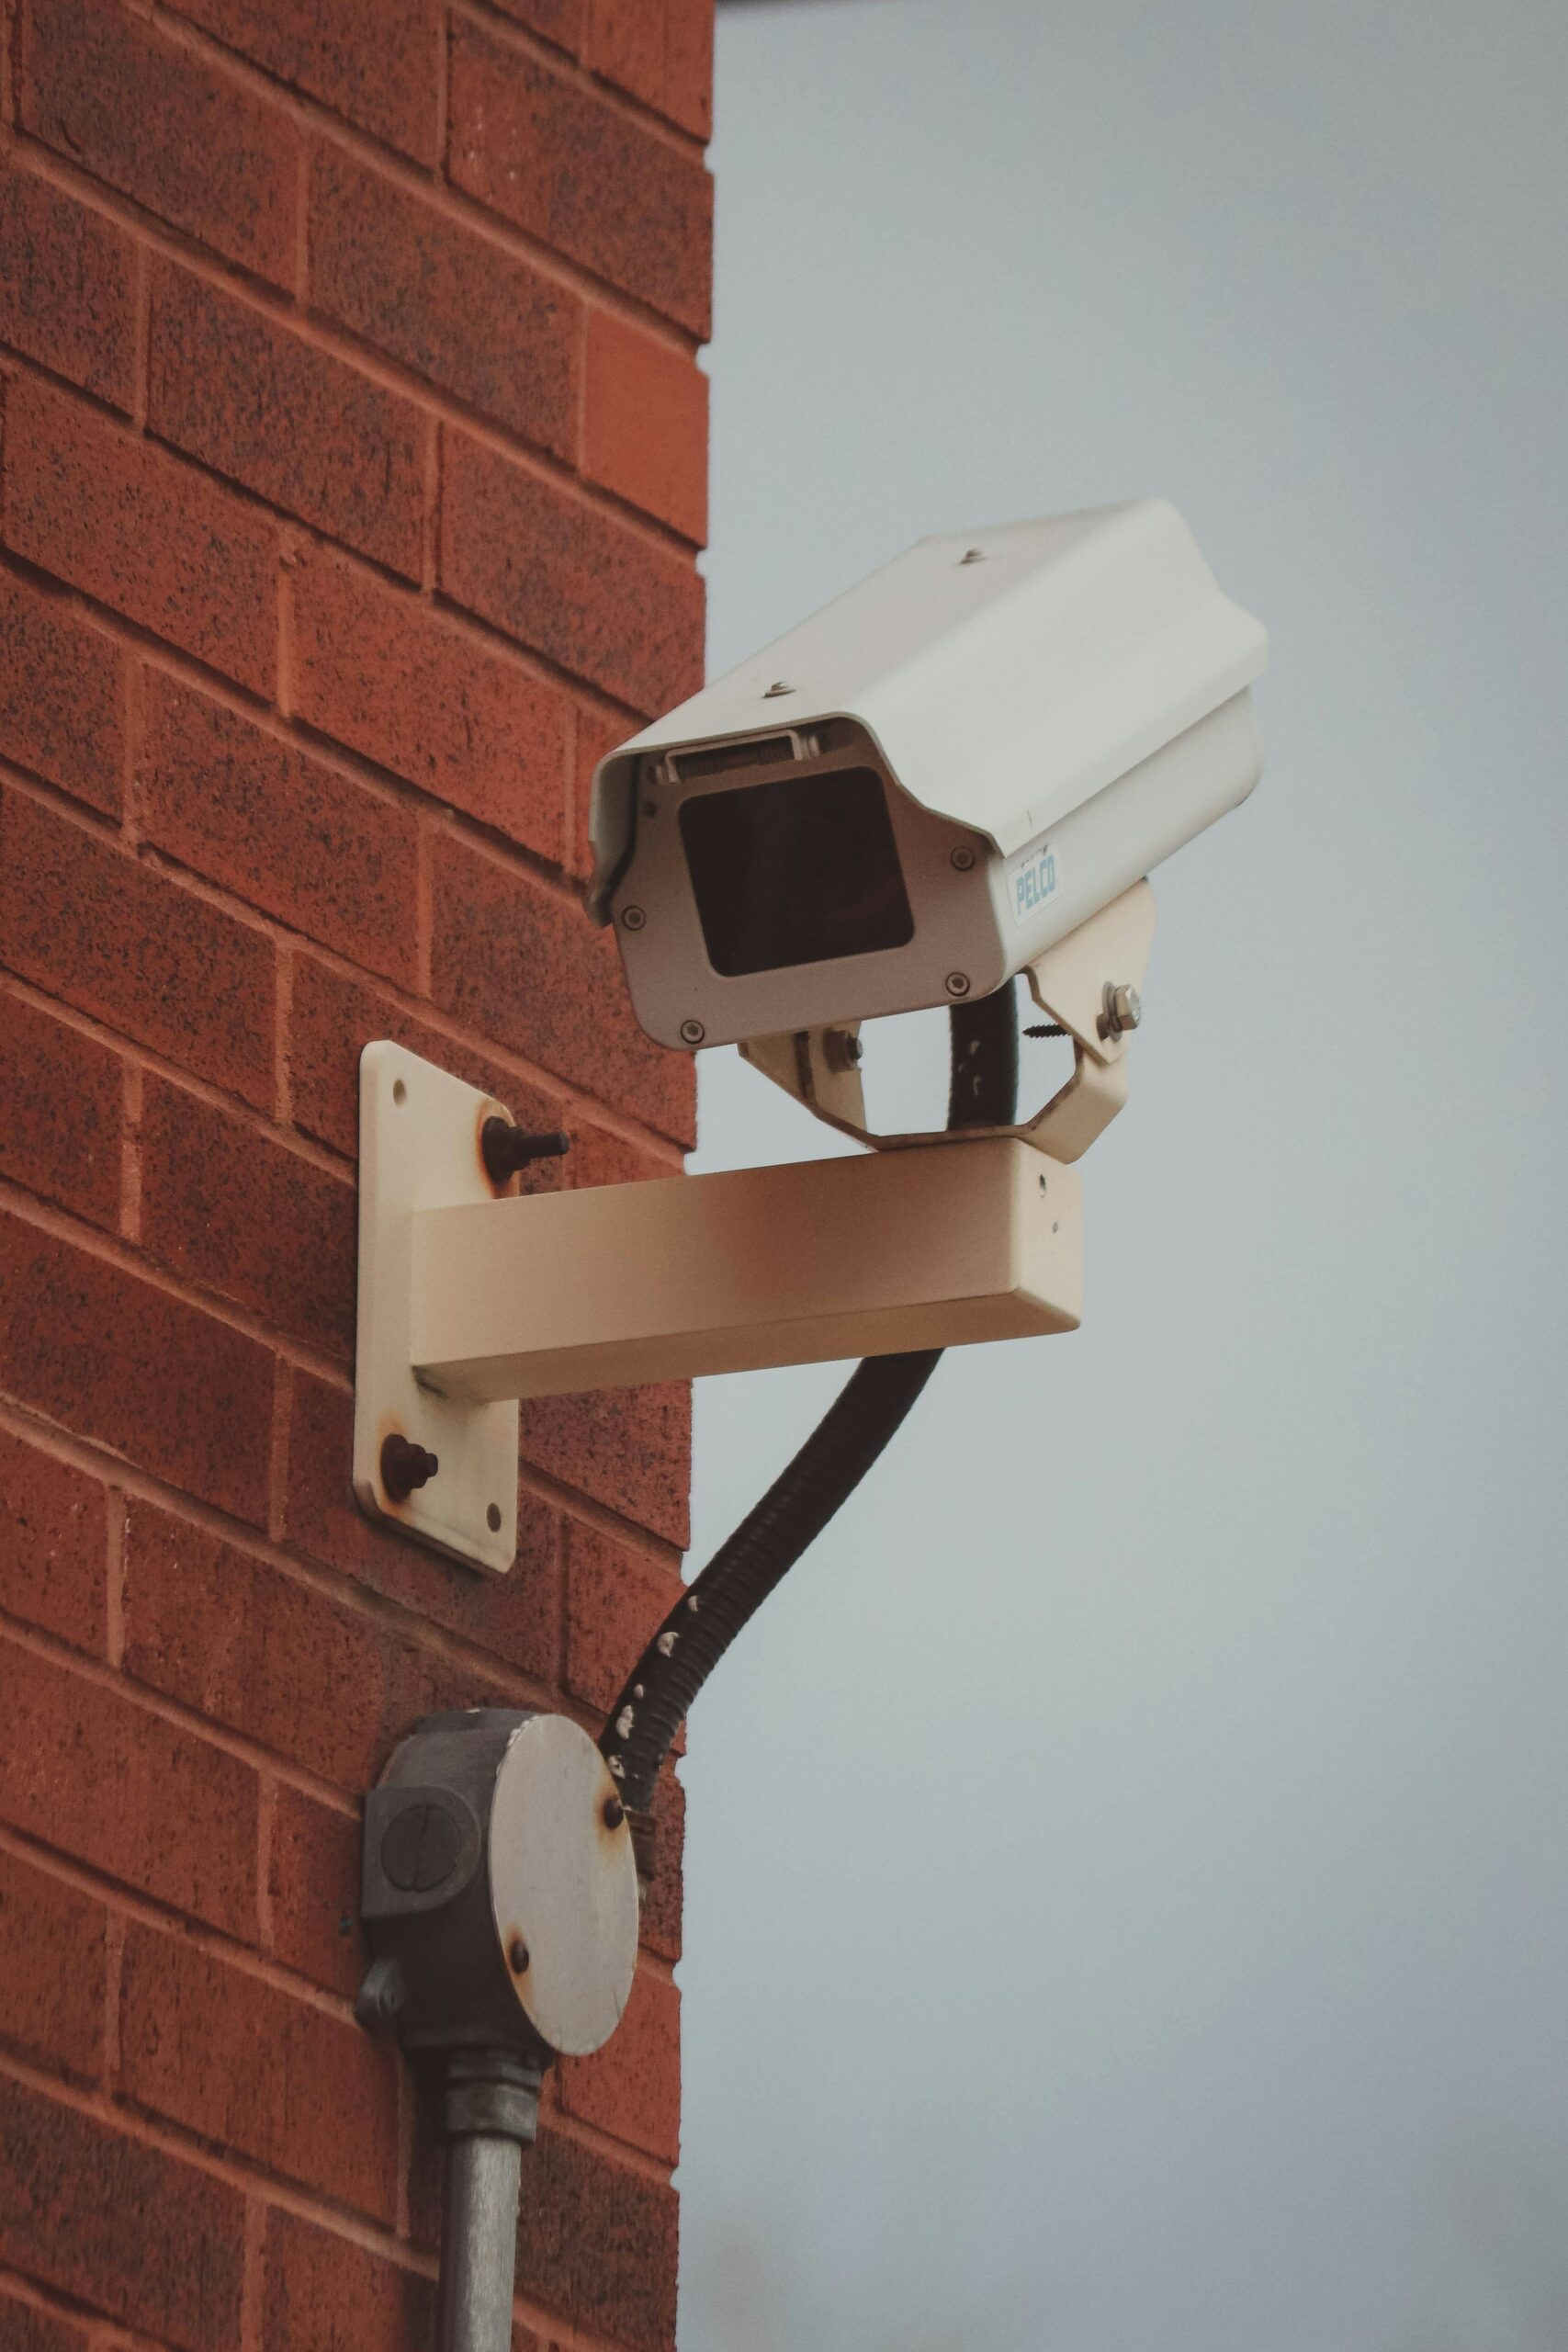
point(492, 1108)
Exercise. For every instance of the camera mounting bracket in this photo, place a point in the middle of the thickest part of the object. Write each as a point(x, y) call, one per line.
point(1073, 983)
point(470, 1298)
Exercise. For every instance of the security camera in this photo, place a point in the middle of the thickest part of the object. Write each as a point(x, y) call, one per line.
point(921, 789)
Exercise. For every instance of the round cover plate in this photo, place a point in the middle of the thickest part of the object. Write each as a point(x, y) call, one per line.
point(563, 1884)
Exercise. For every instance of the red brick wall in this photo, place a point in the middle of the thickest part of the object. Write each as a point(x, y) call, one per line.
point(352, 469)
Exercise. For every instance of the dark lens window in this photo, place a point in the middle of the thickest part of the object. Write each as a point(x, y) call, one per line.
point(795, 872)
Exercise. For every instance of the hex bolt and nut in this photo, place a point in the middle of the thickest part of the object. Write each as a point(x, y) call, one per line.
point(957, 984)
point(842, 1049)
point(404, 1466)
point(692, 1033)
point(1123, 1011)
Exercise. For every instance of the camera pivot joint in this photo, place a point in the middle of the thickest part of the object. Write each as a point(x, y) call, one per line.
point(1088, 987)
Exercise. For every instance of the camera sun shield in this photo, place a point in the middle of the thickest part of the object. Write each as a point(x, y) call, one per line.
point(926, 784)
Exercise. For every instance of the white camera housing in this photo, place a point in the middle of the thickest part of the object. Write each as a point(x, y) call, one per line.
point(912, 795)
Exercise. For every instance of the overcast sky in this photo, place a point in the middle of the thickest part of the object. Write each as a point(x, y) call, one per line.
point(1128, 1880)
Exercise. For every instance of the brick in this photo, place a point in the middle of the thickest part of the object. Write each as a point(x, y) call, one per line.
point(66, 286)
point(142, 532)
point(313, 1892)
point(131, 946)
point(241, 2063)
point(373, 62)
point(629, 1448)
point(151, 118)
point(390, 677)
point(631, 2089)
point(59, 695)
point(119, 2226)
point(252, 398)
point(616, 1600)
point(556, 21)
point(516, 1617)
point(53, 1544)
point(601, 1157)
point(241, 1215)
point(662, 1903)
point(107, 1355)
point(335, 1016)
point(92, 1773)
point(60, 1113)
point(598, 2241)
point(459, 309)
point(53, 1966)
point(27, 2327)
point(326, 2292)
point(598, 734)
point(281, 828)
point(244, 1645)
point(578, 585)
point(688, 64)
point(568, 167)
point(625, 42)
point(512, 957)
point(52, 1953)
point(660, 50)
point(644, 424)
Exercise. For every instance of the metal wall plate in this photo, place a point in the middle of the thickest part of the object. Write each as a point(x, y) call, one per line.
point(419, 1149)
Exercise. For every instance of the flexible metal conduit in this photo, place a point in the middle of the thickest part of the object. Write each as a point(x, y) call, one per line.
point(852, 1433)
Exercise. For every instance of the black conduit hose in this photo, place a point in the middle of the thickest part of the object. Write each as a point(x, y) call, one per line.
point(853, 1431)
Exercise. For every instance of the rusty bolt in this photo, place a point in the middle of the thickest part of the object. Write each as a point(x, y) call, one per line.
point(404, 1466)
point(615, 1813)
point(507, 1149)
point(517, 1956)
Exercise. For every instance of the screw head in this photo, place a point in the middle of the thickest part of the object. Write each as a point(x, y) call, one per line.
point(692, 1033)
point(632, 918)
point(615, 1813)
point(517, 1956)
point(957, 984)
point(1123, 1009)
point(962, 861)
point(779, 686)
point(419, 1849)
point(973, 555)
